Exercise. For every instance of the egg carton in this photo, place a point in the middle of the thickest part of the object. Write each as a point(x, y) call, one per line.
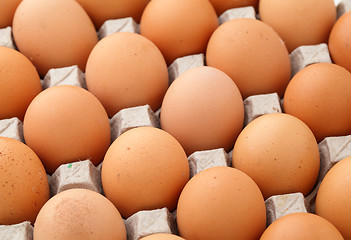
point(234, 13)
point(342, 7)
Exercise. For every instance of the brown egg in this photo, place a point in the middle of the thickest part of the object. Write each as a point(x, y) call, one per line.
point(223, 5)
point(279, 152)
point(221, 203)
point(162, 236)
point(299, 226)
point(333, 198)
point(127, 70)
point(145, 168)
point(100, 11)
point(203, 110)
point(7, 10)
point(252, 54)
point(79, 214)
point(340, 41)
point(24, 187)
point(64, 124)
point(179, 28)
point(319, 95)
point(299, 22)
point(53, 34)
point(19, 83)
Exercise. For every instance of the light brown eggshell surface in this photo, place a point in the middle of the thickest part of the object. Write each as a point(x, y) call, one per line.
point(65, 124)
point(53, 34)
point(144, 169)
point(252, 54)
point(7, 10)
point(279, 152)
point(24, 187)
point(127, 70)
point(223, 5)
point(221, 203)
point(299, 22)
point(79, 214)
point(333, 198)
point(179, 28)
point(320, 96)
point(203, 110)
point(162, 236)
point(19, 83)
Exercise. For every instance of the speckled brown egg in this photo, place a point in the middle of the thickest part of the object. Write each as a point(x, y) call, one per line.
point(127, 70)
point(7, 10)
point(79, 214)
point(333, 197)
point(299, 226)
point(65, 124)
point(340, 41)
point(100, 11)
point(144, 169)
point(299, 22)
point(53, 34)
point(203, 110)
point(19, 83)
point(279, 152)
point(24, 187)
point(320, 96)
point(221, 203)
point(162, 236)
point(179, 28)
point(252, 54)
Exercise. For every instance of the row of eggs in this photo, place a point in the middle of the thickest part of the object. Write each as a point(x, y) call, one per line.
point(200, 99)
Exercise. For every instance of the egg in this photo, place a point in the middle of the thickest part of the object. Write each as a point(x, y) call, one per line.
point(319, 95)
point(100, 11)
point(299, 22)
point(127, 70)
point(64, 124)
point(162, 236)
point(223, 5)
point(19, 83)
point(221, 203)
point(252, 54)
point(203, 110)
point(145, 168)
point(333, 197)
point(53, 34)
point(279, 152)
point(24, 187)
point(7, 10)
point(179, 28)
point(340, 41)
point(297, 226)
point(79, 214)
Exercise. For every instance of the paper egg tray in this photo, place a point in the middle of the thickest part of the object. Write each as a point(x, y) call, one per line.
point(84, 174)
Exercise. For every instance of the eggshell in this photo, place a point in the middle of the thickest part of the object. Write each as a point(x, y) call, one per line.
point(279, 152)
point(53, 34)
point(340, 41)
point(319, 95)
point(133, 72)
point(100, 11)
point(65, 124)
point(252, 54)
point(299, 22)
point(144, 169)
point(299, 226)
point(203, 110)
point(162, 236)
point(24, 187)
point(7, 10)
point(19, 83)
point(333, 197)
point(179, 28)
point(223, 5)
point(221, 203)
point(79, 214)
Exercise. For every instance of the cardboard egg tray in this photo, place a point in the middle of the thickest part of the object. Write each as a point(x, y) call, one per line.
point(83, 174)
